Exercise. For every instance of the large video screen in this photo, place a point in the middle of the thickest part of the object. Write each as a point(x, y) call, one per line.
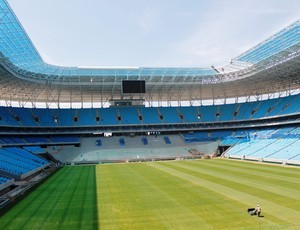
point(133, 86)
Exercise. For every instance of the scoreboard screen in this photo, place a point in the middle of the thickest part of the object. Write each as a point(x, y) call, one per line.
point(133, 86)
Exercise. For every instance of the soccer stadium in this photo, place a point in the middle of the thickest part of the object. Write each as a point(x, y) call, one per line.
point(149, 148)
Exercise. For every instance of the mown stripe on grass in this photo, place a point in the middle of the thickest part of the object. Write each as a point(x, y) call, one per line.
point(88, 215)
point(258, 170)
point(259, 183)
point(280, 170)
point(68, 211)
point(52, 206)
point(242, 187)
point(178, 197)
point(268, 178)
point(212, 209)
point(15, 219)
point(128, 200)
point(279, 211)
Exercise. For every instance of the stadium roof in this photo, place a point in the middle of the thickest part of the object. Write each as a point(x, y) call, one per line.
point(271, 66)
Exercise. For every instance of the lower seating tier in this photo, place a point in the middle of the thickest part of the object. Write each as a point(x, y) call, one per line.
point(19, 161)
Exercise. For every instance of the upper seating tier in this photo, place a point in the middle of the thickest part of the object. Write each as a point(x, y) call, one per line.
point(115, 116)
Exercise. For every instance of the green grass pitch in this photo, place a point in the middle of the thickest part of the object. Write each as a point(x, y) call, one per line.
point(202, 194)
point(67, 200)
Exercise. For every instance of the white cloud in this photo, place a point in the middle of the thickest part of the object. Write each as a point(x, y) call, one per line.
point(212, 43)
point(149, 19)
point(272, 11)
point(227, 32)
point(163, 33)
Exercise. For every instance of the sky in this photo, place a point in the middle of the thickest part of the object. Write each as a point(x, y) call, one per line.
point(150, 33)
